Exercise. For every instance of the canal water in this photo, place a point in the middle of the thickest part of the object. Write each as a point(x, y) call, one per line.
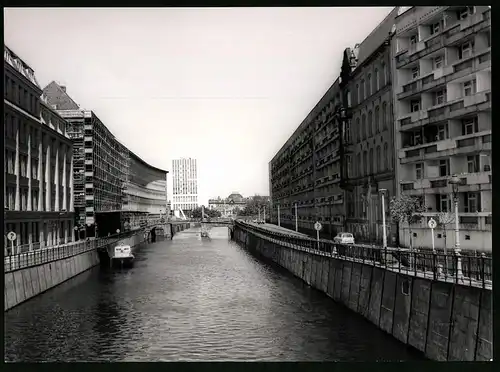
point(192, 300)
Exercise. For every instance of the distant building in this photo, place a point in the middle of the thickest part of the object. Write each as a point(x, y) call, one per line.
point(114, 188)
point(184, 185)
point(442, 87)
point(38, 186)
point(228, 206)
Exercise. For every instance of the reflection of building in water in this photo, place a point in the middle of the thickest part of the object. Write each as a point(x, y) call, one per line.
point(38, 186)
point(228, 206)
point(112, 185)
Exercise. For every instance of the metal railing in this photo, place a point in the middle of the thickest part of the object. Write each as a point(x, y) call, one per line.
point(35, 257)
point(471, 270)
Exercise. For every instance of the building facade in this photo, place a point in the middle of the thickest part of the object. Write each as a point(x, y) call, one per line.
point(38, 187)
point(145, 192)
point(442, 106)
point(184, 184)
point(229, 206)
point(305, 173)
point(114, 188)
point(369, 150)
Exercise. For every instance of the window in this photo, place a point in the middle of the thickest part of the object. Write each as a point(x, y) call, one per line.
point(363, 92)
point(465, 50)
point(472, 202)
point(444, 168)
point(348, 99)
point(386, 155)
point(438, 62)
point(358, 92)
point(372, 161)
point(440, 97)
point(357, 132)
point(377, 119)
point(370, 121)
point(363, 125)
point(379, 159)
point(443, 202)
point(413, 39)
point(377, 82)
point(384, 76)
point(435, 28)
point(348, 132)
point(384, 114)
point(415, 106)
point(358, 165)
point(469, 126)
point(419, 171)
point(465, 12)
point(442, 131)
point(417, 138)
point(470, 88)
point(473, 163)
point(415, 72)
point(365, 163)
point(349, 165)
point(368, 85)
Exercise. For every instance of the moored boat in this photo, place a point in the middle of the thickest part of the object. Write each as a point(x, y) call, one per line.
point(122, 256)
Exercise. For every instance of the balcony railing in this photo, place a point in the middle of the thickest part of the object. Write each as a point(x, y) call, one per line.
point(466, 142)
point(476, 271)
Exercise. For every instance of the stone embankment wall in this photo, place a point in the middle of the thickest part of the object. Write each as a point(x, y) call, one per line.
point(443, 320)
point(26, 283)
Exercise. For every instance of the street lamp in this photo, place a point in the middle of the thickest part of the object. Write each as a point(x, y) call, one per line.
point(384, 230)
point(454, 181)
point(279, 217)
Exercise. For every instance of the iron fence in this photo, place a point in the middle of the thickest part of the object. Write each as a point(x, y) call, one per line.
point(35, 257)
point(466, 269)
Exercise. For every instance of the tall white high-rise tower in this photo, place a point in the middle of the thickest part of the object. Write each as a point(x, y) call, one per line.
point(184, 184)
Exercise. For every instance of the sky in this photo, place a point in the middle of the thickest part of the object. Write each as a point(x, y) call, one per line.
point(227, 86)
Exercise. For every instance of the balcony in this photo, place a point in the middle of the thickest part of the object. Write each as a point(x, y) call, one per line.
point(480, 101)
point(450, 35)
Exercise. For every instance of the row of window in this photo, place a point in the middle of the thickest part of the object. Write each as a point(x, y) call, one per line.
point(376, 124)
point(372, 165)
point(372, 84)
point(439, 97)
point(473, 166)
point(24, 196)
point(20, 96)
point(471, 204)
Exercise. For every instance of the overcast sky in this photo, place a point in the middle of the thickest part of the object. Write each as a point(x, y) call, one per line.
point(226, 86)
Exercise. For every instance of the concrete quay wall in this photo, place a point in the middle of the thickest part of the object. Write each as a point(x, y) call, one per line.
point(446, 321)
point(24, 284)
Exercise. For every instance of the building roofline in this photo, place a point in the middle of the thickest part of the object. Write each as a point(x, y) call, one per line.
point(313, 112)
point(136, 157)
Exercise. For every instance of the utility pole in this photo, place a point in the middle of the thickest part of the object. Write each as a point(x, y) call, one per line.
point(296, 219)
point(279, 221)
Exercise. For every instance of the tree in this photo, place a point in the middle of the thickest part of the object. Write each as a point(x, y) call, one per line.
point(406, 209)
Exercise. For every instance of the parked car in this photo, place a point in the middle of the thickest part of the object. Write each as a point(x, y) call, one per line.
point(344, 238)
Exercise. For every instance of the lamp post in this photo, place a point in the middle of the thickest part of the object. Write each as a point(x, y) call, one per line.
point(384, 230)
point(454, 181)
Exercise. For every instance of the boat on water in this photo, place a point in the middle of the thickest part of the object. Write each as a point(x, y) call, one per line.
point(122, 256)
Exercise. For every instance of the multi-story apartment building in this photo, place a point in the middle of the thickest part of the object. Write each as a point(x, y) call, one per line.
point(184, 184)
point(114, 188)
point(443, 117)
point(369, 149)
point(228, 206)
point(305, 173)
point(38, 189)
